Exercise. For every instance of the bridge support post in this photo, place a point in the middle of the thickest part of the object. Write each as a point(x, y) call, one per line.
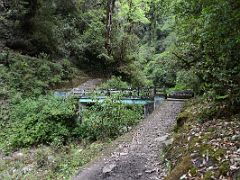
point(148, 109)
point(158, 101)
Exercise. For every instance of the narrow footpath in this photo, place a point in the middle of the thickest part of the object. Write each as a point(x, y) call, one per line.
point(139, 157)
point(90, 84)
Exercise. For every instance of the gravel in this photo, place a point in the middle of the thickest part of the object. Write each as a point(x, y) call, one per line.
point(138, 158)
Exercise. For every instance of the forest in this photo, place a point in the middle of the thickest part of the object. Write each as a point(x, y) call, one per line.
point(176, 45)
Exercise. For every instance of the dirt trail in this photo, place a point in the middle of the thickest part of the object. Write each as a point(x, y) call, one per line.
point(138, 158)
point(90, 84)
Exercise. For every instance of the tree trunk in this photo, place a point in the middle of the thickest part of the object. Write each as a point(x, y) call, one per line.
point(130, 16)
point(27, 19)
point(110, 9)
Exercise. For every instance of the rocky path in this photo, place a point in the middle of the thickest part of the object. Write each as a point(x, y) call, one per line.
point(88, 85)
point(138, 158)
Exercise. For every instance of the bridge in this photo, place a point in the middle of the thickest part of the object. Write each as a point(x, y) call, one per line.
point(138, 94)
point(150, 98)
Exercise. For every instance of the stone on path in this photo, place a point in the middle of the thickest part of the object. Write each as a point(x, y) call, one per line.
point(108, 168)
point(162, 138)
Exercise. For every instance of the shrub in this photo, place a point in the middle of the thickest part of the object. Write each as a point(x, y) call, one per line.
point(115, 83)
point(3, 86)
point(34, 76)
point(187, 80)
point(108, 119)
point(162, 70)
point(42, 120)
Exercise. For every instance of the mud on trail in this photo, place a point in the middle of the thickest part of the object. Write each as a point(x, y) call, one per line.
point(137, 158)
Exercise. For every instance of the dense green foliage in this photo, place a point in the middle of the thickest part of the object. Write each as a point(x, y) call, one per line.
point(115, 83)
point(33, 76)
point(144, 41)
point(195, 46)
point(172, 44)
point(108, 119)
point(80, 31)
point(51, 120)
point(43, 120)
point(208, 43)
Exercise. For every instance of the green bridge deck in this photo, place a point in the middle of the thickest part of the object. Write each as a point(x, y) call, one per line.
point(130, 101)
point(148, 99)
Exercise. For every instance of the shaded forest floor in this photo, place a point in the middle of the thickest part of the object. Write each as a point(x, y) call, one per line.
point(204, 148)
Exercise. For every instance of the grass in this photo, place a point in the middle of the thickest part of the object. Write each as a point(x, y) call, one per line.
point(48, 162)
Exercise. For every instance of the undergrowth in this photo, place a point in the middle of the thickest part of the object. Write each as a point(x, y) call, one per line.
point(33, 76)
point(48, 162)
point(44, 138)
point(206, 145)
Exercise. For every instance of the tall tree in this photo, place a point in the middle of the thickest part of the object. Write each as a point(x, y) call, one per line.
point(109, 22)
point(208, 42)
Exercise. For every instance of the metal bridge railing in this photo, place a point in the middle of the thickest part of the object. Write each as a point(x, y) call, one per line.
point(147, 93)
